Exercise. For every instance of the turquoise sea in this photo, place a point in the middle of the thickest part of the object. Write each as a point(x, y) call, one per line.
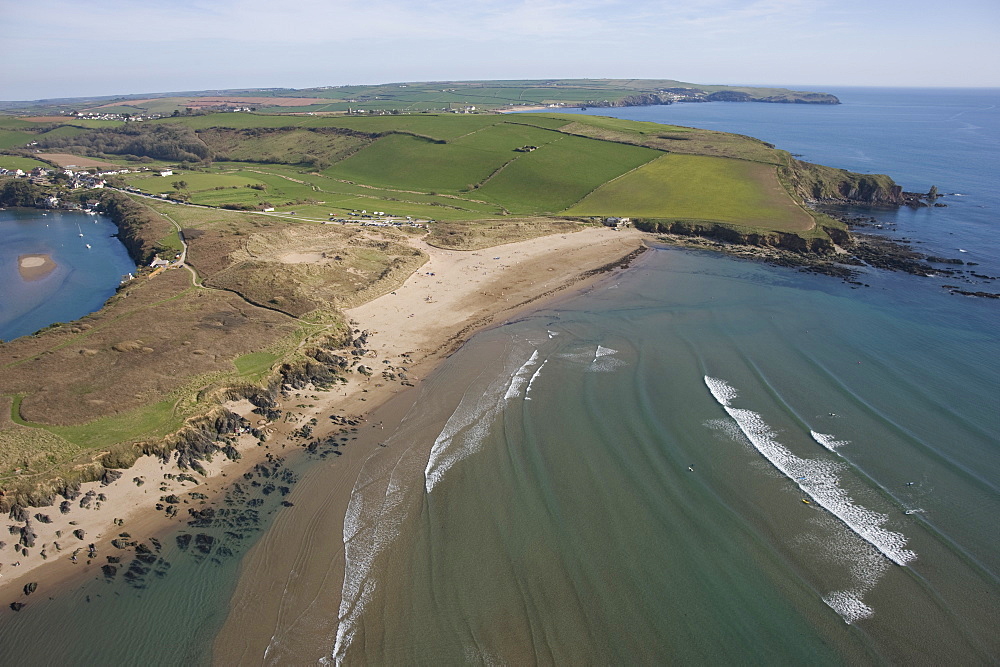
point(90, 262)
point(711, 461)
point(701, 460)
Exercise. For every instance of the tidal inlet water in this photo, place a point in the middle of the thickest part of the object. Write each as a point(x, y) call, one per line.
point(88, 264)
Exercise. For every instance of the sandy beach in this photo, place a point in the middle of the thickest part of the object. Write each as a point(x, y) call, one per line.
point(285, 606)
point(35, 266)
point(440, 306)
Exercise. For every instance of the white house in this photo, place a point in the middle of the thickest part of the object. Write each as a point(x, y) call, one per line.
point(166, 172)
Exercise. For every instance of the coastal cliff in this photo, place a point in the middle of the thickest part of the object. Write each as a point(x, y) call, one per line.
point(138, 227)
point(818, 183)
point(817, 245)
point(687, 95)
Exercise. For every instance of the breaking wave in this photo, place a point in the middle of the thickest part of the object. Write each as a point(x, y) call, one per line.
point(818, 479)
point(465, 430)
point(828, 441)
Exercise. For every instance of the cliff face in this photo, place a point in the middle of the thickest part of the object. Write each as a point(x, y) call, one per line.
point(783, 240)
point(138, 228)
point(815, 182)
point(639, 100)
point(671, 95)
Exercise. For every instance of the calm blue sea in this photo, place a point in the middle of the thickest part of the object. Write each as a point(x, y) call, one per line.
point(90, 262)
point(700, 460)
point(714, 461)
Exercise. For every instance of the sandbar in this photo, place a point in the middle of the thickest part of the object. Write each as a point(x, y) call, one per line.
point(35, 266)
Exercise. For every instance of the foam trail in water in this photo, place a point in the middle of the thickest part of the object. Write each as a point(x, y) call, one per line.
point(815, 477)
point(464, 431)
point(828, 441)
point(532, 380)
point(374, 514)
point(867, 566)
point(520, 378)
point(604, 360)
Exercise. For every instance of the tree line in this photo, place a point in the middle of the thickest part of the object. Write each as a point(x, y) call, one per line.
point(173, 143)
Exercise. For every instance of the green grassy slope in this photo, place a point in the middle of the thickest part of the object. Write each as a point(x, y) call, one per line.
point(468, 167)
point(561, 173)
point(688, 187)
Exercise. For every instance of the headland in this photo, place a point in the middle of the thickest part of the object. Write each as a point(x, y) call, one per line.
point(279, 301)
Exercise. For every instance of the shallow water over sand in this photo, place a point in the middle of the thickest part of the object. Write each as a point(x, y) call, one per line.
point(644, 500)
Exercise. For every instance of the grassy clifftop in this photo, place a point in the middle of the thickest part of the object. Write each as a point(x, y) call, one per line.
point(96, 392)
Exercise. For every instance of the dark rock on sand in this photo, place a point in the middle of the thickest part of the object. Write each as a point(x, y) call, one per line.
point(203, 543)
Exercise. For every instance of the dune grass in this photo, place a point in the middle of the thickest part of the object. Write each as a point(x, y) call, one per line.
point(149, 421)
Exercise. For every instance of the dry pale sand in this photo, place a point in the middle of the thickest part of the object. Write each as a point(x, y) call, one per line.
point(450, 297)
point(128, 506)
point(285, 606)
point(35, 267)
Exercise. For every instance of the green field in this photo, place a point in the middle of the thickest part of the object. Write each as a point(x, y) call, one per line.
point(155, 420)
point(14, 139)
point(18, 162)
point(561, 173)
point(469, 167)
point(688, 187)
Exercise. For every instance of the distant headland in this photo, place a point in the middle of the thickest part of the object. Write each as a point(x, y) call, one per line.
point(410, 97)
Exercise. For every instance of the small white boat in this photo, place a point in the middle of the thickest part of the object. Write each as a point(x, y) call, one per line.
point(87, 244)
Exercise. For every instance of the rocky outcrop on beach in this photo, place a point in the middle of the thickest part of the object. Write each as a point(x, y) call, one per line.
point(730, 234)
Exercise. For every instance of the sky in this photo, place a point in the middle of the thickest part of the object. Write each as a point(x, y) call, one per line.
point(75, 48)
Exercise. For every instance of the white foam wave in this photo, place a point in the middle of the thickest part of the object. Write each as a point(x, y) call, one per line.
point(520, 378)
point(850, 607)
point(604, 360)
point(373, 519)
point(816, 478)
point(828, 441)
point(465, 430)
point(532, 380)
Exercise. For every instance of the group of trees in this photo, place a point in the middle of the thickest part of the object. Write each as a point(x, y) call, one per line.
point(175, 143)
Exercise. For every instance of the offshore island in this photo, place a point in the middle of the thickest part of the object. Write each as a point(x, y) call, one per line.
point(306, 255)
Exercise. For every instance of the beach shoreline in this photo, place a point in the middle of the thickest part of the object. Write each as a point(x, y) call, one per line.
point(453, 295)
point(280, 592)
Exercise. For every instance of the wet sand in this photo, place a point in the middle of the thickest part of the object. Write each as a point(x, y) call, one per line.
point(285, 608)
point(440, 306)
point(35, 267)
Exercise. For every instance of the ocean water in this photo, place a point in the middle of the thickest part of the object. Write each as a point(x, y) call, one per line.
point(84, 278)
point(621, 478)
point(710, 460)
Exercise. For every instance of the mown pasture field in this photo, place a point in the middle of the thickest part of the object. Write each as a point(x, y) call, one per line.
point(560, 173)
point(408, 162)
point(18, 162)
point(689, 187)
